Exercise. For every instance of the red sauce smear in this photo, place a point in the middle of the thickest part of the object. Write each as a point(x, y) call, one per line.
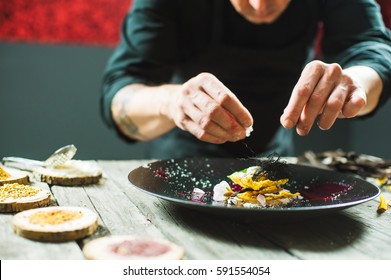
point(328, 191)
point(146, 248)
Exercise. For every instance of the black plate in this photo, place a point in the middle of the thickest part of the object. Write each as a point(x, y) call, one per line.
point(324, 191)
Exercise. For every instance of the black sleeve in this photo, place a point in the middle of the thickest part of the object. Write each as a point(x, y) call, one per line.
point(356, 35)
point(146, 52)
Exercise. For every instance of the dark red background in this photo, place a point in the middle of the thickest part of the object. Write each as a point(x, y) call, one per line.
point(85, 22)
point(92, 22)
point(386, 11)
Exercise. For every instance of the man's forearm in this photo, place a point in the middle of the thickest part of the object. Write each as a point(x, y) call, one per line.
point(137, 111)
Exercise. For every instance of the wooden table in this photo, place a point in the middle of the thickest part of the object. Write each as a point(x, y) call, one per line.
point(355, 233)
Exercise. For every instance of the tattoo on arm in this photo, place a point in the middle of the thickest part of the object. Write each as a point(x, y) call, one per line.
point(126, 123)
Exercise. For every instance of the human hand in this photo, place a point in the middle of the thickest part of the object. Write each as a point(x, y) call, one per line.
point(324, 92)
point(209, 110)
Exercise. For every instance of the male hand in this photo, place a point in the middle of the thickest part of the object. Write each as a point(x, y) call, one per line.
point(324, 93)
point(209, 110)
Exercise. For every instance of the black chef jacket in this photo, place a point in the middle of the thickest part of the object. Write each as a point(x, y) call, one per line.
point(171, 41)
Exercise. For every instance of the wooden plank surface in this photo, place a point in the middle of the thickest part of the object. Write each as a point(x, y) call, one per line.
point(13, 247)
point(202, 237)
point(355, 233)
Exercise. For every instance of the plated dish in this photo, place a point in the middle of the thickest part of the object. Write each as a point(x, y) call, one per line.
point(178, 180)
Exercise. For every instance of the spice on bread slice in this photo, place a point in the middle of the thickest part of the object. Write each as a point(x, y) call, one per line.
point(18, 197)
point(72, 173)
point(56, 223)
point(132, 247)
point(8, 176)
point(4, 175)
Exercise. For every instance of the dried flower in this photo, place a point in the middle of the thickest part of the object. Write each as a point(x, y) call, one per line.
point(383, 205)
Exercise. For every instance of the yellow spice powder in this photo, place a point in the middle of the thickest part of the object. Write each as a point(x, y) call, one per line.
point(4, 175)
point(54, 217)
point(16, 191)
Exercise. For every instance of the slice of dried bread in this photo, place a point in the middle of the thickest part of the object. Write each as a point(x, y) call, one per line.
point(72, 173)
point(18, 197)
point(56, 223)
point(132, 247)
point(9, 176)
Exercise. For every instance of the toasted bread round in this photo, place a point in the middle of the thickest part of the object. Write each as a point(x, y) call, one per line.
point(72, 173)
point(132, 247)
point(13, 176)
point(18, 197)
point(56, 223)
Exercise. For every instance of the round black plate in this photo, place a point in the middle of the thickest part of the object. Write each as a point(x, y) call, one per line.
point(324, 191)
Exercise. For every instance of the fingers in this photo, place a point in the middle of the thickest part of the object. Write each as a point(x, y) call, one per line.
point(225, 98)
point(332, 108)
point(211, 112)
point(323, 94)
point(301, 94)
point(355, 103)
point(218, 136)
point(203, 126)
point(325, 98)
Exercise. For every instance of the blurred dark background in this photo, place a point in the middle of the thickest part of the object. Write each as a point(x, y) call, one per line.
point(49, 97)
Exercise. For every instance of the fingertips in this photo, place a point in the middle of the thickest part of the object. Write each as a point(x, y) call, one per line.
point(225, 98)
point(286, 122)
point(354, 105)
point(303, 130)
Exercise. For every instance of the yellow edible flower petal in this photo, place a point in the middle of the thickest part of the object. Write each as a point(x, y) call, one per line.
point(382, 181)
point(281, 195)
point(248, 196)
point(383, 206)
point(248, 182)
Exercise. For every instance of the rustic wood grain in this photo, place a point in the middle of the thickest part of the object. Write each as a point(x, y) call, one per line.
point(203, 237)
point(355, 233)
point(14, 247)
